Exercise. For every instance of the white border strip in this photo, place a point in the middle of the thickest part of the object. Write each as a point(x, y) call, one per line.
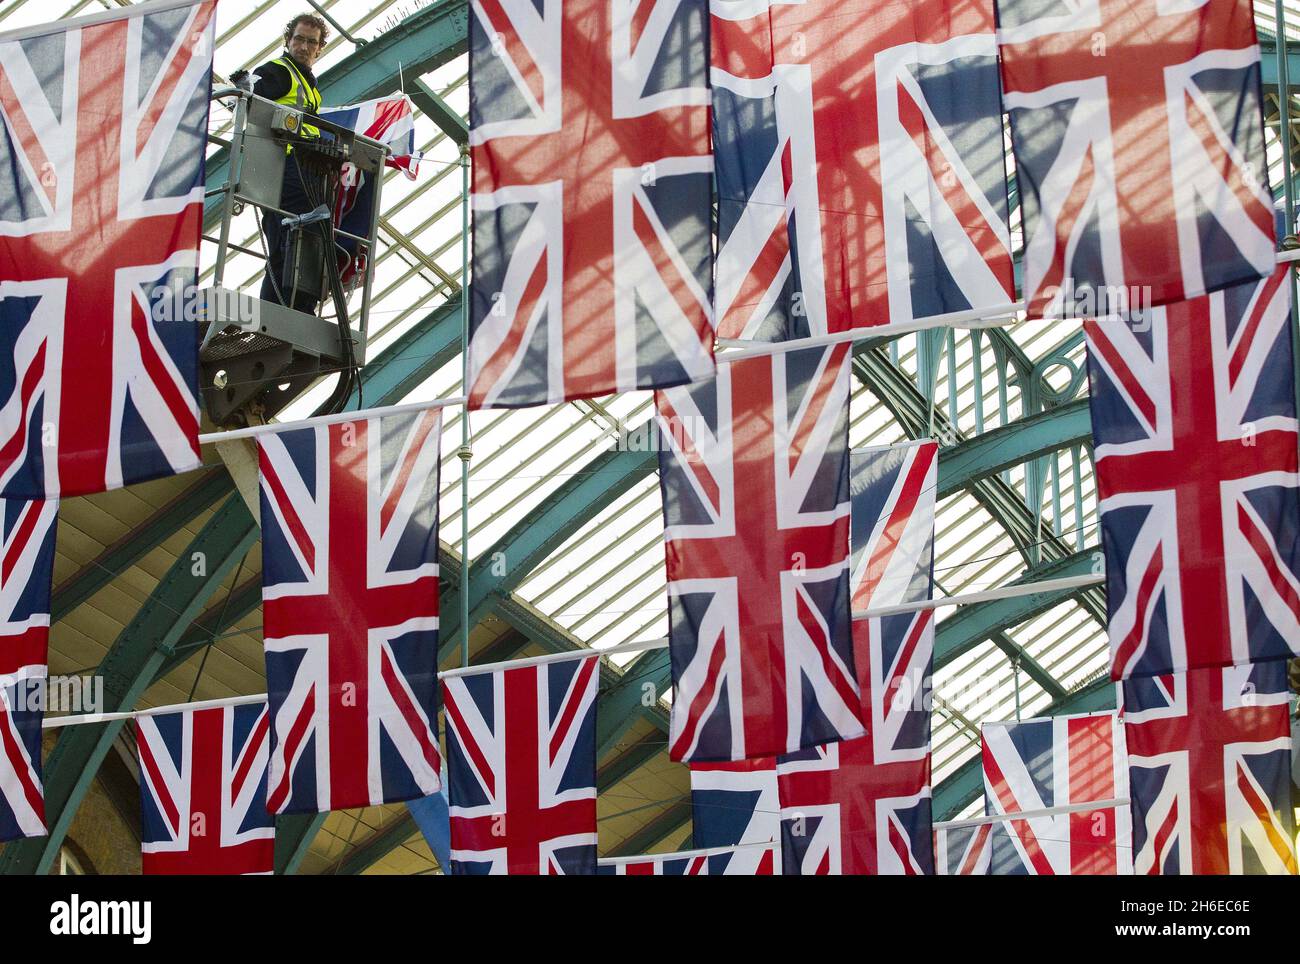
point(661, 643)
point(53, 722)
point(994, 316)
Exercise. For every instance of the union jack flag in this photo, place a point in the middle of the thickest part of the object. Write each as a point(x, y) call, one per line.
point(736, 810)
point(753, 469)
point(859, 161)
point(963, 850)
point(1209, 756)
point(1056, 762)
point(350, 611)
point(26, 566)
point(863, 806)
point(521, 766)
point(1202, 567)
point(589, 134)
point(203, 792)
point(103, 133)
point(1140, 162)
point(687, 863)
point(893, 490)
point(389, 120)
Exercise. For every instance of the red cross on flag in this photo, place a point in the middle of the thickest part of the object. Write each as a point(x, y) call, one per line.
point(859, 160)
point(589, 133)
point(1139, 145)
point(521, 761)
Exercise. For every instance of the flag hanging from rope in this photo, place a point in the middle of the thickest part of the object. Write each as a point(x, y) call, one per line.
point(754, 474)
point(1139, 143)
point(1055, 762)
point(103, 131)
point(350, 611)
point(695, 863)
point(863, 806)
point(1209, 756)
point(26, 566)
point(1194, 431)
point(203, 791)
point(521, 766)
point(859, 160)
point(738, 805)
point(389, 120)
point(591, 199)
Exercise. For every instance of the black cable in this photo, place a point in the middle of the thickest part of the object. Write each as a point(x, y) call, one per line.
point(349, 378)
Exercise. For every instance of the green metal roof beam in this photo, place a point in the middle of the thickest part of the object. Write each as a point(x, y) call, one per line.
point(1033, 669)
point(971, 625)
point(1268, 62)
point(602, 481)
point(139, 542)
point(645, 680)
point(294, 833)
point(438, 111)
point(1055, 430)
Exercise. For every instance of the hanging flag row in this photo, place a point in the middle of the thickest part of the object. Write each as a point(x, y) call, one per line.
point(350, 602)
point(860, 180)
point(861, 177)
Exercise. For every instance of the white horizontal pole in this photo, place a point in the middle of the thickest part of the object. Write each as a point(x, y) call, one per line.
point(56, 721)
point(1032, 814)
point(1005, 592)
point(639, 647)
point(991, 317)
point(988, 595)
point(53, 722)
point(686, 854)
point(336, 418)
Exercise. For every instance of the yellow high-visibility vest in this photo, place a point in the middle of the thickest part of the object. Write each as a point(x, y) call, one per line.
point(301, 95)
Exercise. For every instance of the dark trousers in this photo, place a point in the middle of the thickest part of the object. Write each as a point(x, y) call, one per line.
point(293, 198)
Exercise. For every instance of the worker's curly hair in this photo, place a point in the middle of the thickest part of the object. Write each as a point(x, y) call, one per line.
point(311, 20)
